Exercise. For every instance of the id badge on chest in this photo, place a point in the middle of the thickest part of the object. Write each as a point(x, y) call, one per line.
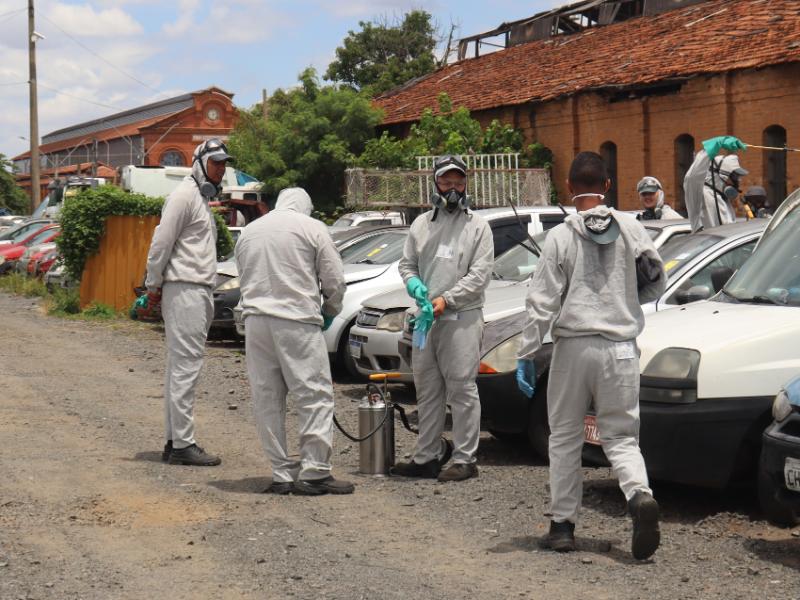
point(625, 350)
point(444, 251)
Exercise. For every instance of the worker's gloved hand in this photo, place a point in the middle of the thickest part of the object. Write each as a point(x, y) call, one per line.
point(326, 322)
point(423, 322)
point(147, 307)
point(526, 376)
point(727, 142)
point(417, 290)
point(647, 271)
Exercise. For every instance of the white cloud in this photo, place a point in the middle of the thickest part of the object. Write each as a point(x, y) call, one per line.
point(84, 20)
point(185, 21)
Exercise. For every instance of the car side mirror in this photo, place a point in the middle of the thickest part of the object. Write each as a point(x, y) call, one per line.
point(693, 294)
point(720, 276)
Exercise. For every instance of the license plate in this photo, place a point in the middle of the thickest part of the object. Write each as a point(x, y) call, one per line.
point(355, 349)
point(791, 473)
point(590, 433)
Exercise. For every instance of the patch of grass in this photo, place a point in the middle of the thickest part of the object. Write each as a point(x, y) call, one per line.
point(97, 310)
point(22, 285)
point(63, 302)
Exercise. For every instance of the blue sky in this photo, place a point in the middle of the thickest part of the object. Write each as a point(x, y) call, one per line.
point(103, 56)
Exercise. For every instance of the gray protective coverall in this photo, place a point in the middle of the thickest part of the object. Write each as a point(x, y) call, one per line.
point(588, 293)
point(182, 261)
point(454, 257)
point(706, 205)
point(285, 260)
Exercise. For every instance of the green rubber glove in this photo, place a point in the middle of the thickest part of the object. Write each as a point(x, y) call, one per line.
point(727, 142)
point(326, 321)
point(417, 290)
point(422, 325)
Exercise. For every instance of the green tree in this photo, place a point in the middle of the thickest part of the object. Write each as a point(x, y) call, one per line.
point(312, 135)
point(11, 195)
point(382, 56)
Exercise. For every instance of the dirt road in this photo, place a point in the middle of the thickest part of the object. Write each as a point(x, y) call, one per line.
point(87, 510)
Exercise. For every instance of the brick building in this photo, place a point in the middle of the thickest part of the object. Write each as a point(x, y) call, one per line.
point(644, 91)
point(161, 133)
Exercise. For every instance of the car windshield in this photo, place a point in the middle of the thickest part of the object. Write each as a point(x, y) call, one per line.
point(772, 274)
point(380, 249)
point(42, 236)
point(20, 232)
point(680, 251)
point(517, 263)
point(342, 222)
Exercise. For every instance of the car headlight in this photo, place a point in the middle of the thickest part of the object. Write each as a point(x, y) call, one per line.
point(671, 376)
point(231, 284)
point(392, 321)
point(781, 407)
point(502, 358)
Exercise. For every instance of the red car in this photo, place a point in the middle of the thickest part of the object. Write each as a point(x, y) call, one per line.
point(43, 262)
point(9, 254)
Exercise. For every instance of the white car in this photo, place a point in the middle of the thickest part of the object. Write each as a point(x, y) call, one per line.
point(361, 219)
point(711, 370)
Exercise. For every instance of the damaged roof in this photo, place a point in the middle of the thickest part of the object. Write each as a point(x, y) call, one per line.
point(703, 39)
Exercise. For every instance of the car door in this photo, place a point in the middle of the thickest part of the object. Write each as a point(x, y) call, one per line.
point(731, 256)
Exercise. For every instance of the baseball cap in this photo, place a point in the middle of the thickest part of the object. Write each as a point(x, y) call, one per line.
point(447, 163)
point(755, 191)
point(648, 185)
point(215, 150)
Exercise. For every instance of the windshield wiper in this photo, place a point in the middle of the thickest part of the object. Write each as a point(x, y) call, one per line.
point(366, 261)
point(496, 275)
point(757, 299)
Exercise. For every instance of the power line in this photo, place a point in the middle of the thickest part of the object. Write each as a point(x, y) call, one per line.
point(57, 91)
point(14, 83)
point(7, 15)
point(95, 54)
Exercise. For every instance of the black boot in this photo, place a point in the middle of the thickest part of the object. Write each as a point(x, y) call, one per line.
point(317, 487)
point(167, 451)
point(646, 535)
point(561, 537)
point(194, 456)
point(428, 470)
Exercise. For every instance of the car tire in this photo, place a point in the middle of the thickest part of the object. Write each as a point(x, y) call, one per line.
point(343, 358)
point(508, 437)
point(538, 425)
point(775, 511)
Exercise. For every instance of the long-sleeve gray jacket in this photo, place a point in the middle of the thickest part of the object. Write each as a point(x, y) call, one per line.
point(453, 256)
point(286, 260)
point(184, 245)
point(582, 288)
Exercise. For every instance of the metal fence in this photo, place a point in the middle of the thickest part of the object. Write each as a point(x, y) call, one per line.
point(492, 180)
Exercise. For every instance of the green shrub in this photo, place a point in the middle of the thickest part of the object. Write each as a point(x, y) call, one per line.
point(83, 221)
point(64, 302)
point(98, 310)
point(22, 285)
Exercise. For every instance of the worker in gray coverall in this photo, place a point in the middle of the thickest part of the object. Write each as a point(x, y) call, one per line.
point(595, 270)
point(448, 260)
point(292, 284)
point(181, 272)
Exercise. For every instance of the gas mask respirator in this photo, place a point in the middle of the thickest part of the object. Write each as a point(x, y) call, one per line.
point(450, 200)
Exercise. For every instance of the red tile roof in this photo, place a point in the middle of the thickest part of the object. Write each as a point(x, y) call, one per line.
point(712, 37)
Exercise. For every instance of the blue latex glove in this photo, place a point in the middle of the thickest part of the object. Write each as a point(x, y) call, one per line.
point(728, 142)
point(417, 290)
point(526, 377)
point(422, 325)
point(326, 321)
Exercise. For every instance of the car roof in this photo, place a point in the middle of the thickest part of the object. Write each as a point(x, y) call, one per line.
point(504, 211)
point(664, 223)
point(341, 236)
point(739, 228)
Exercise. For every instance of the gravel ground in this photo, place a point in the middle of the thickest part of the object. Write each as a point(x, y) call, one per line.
point(87, 510)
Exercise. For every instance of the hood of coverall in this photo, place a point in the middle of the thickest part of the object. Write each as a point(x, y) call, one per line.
point(726, 164)
point(601, 212)
point(296, 199)
point(199, 171)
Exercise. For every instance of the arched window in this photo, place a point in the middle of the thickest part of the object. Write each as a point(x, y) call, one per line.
point(684, 157)
point(608, 150)
point(774, 165)
point(172, 158)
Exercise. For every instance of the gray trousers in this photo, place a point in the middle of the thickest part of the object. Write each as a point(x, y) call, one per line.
point(444, 373)
point(188, 309)
point(290, 357)
point(586, 370)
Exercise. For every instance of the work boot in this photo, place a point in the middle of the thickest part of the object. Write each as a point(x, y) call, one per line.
point(167, 451)
point(428, 470)
point(279, 487)
point(646, 536)
point(459, 472)
point(193, 456)
point(561, 537)
point(317, 487)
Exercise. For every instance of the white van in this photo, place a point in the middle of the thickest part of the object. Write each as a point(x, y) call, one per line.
point(158, 181)
point(711, 369)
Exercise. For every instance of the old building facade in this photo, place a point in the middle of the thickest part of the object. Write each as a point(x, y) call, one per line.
point(643, 93)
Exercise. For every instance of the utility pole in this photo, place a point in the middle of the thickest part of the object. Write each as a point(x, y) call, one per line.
point(36, 189)
point(264, 105)
point(94, 157)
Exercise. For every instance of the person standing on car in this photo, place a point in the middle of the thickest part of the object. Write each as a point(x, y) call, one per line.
point(181, 274)
point(292, 283)
point(755, 203)
point(447, 261)
point(595, 270)
point(651, 196)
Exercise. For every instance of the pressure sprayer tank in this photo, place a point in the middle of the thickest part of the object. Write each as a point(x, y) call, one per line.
point(376, 413)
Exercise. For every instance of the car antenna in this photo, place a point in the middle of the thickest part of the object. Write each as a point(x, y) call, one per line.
point(563, 210)
point(525, 229)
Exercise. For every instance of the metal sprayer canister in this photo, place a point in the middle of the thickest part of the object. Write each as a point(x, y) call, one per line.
point(377, 452)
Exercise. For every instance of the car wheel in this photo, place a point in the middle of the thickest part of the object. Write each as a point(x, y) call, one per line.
point(345, 361)
point(775, 511)
point(506, 436)
point(538, 426)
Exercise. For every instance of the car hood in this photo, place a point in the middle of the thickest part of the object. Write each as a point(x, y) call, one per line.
point(399, 298)
point(746, 350)
point(228, 267)
point(504, 300)
point(353, 273)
